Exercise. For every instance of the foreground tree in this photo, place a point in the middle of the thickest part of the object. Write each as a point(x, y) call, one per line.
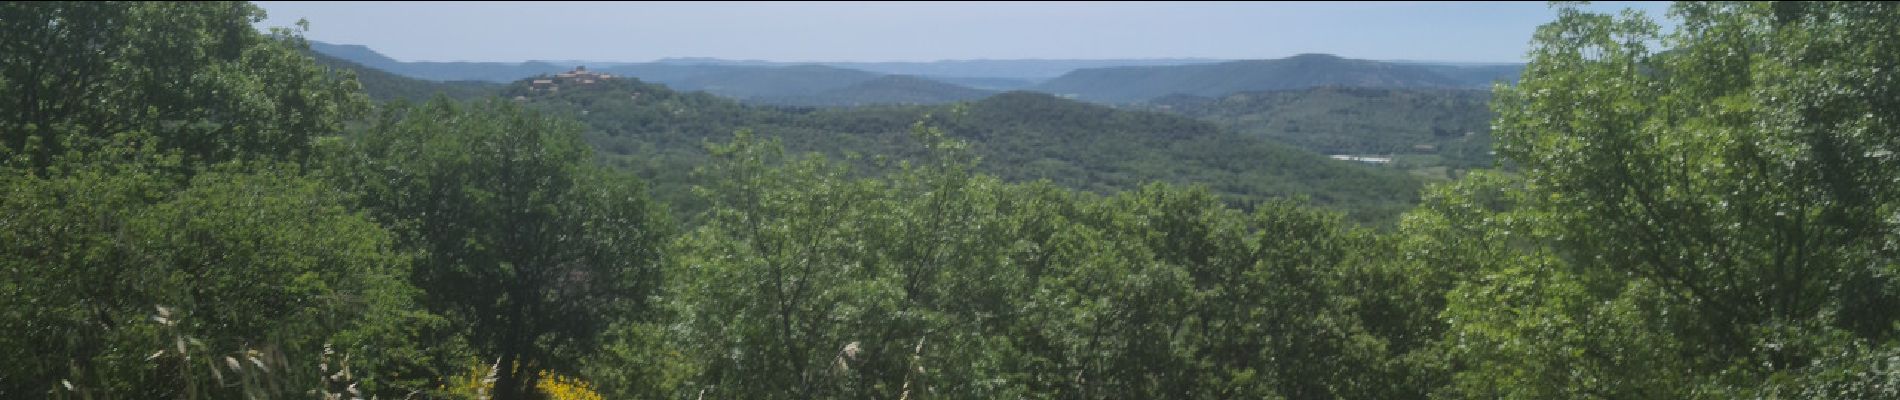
point(526, 244)
point(124, 280)
point(159, 237)
point(930, 280)
point(197, 76)
point(1722, 213)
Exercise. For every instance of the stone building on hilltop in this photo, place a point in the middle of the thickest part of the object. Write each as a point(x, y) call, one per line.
point(580, 76)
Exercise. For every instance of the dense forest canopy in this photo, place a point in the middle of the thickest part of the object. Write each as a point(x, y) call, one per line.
point(1451, 125)
point(190, 208)
point(1143, 83)
point(1021, 136)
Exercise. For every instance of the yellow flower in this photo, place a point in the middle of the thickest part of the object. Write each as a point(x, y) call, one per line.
point(555, 386)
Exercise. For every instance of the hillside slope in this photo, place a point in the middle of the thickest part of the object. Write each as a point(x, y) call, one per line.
point(497, 72)
point(385, 86)
point(1137, 84)
point(888, 89)
point(1453, 124)
point(1021, 136)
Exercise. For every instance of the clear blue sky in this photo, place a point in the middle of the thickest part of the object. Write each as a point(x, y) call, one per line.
point(857, 31)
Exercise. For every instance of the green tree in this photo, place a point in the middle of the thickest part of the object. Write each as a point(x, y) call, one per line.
point(1721, 213)
point(526, 243)
point(806, 282)
point(777, 272)
point(157, 216)
point(125, 280)
point(932, 280)
point(197, 76)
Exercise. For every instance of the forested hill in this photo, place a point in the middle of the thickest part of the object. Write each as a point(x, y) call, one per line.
point(762, 83)
point(660, 132)
point(888, 89)
point(799, 85)
point(1020, 135)
point(1137, 84)
point(1014, 73)
point(1025, 70)
point(1453, 124)
point(435, 70)
point(859, 83)
point(384, 86)
point(746, 83)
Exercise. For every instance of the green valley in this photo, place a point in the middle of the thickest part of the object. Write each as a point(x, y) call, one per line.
point(199, 203)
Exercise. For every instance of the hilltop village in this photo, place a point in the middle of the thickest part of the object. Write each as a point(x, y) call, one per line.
point(580, 76)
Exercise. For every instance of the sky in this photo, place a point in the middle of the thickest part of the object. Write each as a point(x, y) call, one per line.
point(869, 31)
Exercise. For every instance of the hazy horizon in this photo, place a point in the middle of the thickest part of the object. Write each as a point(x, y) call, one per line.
point(1448, 32)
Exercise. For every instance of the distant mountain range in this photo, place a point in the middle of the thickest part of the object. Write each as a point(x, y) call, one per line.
point(801, 85)
point(438, 71)
point(1141, 84)
point(751, 81)
point(1127, 81)
point(745, 82)
point(1016, 70)
point(993, 72)
point(384, 86)
point(888, 89)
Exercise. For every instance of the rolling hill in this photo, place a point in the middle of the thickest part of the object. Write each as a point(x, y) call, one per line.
point(800, 85)
point(438, 71)
point(755, 82)
point(385, 86)
point(747, 78)
point(888, 89)
point(659, 132)
point(1029, 70)
point(749, 82)
point(1137, 84)
point(1453, 124)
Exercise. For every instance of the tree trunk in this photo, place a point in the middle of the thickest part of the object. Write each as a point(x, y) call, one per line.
point(507, 378)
